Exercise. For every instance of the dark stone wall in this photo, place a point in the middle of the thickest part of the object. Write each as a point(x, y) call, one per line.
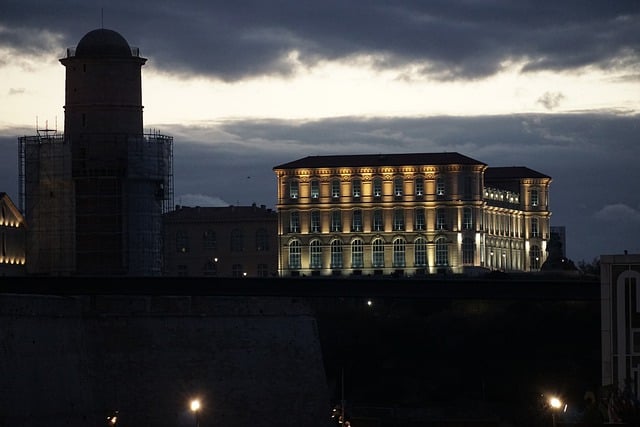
point(74, 360)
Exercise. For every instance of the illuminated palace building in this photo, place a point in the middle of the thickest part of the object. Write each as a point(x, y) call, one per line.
point(409, 215)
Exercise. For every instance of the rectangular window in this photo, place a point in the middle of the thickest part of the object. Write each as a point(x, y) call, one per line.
point(315, 221)
point(263, 270)
point(356, 188)
point(293, 189)
point(420, 219)
point(534, 227)
point(398, 220)
point(315, 189)
point(397, 186)
point(467, 219)
point(209, 239)
point(378, 224)
point(336, 220)
point(419, 186)
point(377, 187)
point(356, 223)
point(440, 186)
point(441, 221)
point(294, 222)
point(335, 188)
point(534, 198)
point(182, 242)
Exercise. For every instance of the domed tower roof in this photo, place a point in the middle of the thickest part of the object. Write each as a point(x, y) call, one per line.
point(103, 43)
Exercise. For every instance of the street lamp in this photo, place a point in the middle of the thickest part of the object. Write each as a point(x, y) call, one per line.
point(555, 404)
point(195, 407)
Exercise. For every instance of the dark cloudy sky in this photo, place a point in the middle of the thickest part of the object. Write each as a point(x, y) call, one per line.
point(246, 85)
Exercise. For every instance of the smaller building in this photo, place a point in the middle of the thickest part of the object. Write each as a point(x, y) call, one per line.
point(13, 233)
point(620, 323)
point(231, 241)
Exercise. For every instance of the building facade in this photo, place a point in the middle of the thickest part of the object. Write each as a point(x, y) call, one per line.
point(409, 215)
point(620, 322)
point(94, 196)
point(13, 232)
point(233, 241)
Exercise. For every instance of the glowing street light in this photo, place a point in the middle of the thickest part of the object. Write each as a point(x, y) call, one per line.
point(555, 404)
point(195, 407)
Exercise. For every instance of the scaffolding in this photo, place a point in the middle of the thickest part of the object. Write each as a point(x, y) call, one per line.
point(94, 206)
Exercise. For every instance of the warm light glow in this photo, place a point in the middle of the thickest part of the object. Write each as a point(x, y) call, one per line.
point(195, 405)
point(555, 402)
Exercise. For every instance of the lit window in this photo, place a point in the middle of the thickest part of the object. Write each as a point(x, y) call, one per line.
point(293, 189)
point(397, 186)
point(420, 252)
point(534, 198)
point(294, 255)
point(534, 227)
point(398, 252)
point(336, 254)
point(377, 253)
point(377, 187)
point(316, 254)
point(357, 255)
point(356, 188)
point(467, 218)
point(335, 188)
point(442, 252)
point(440, 186)
point(419, 186)
point(315, 189)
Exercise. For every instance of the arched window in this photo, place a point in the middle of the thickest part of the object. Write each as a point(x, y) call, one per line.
point(534, 257)
point(336, 254)
point(420, 252)
point(377, 253)
point(468, 250)
point(535, 232)
point(294, 255)
point(398, 252)
point(316, 254)
point(442, 252)
point(357, 257)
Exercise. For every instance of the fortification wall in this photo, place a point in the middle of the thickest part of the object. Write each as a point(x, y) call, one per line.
point(74, 360)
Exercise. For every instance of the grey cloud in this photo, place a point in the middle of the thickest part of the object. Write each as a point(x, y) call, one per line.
point(551, 100)
point(618, 212)
point(446, 39)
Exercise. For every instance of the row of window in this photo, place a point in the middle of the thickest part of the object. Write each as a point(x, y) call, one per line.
point(377, 253)
point(236, 241)
point(377, 220)
point(398, 253)
point(377, 187)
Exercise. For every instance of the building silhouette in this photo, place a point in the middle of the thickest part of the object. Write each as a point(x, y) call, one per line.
point(94, 196)
point(409, 215)
point(230, 241)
